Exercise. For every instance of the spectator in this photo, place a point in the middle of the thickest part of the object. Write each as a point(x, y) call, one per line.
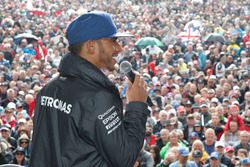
point(170, 157)
point(173, 142)
point(214, 161)
point(160, 124)
point(210, 139)
point(20, 158)
point(234, 115)
point(5, 132)
point(219, 147)
point(245, 162)
point(198, 146)
point(182, 159)
point(244, 141)
point(231, 137)
point(164, 138)
point(155, 151)
point(150, 138)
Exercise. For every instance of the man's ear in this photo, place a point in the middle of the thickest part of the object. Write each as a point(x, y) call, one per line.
point(90, 47)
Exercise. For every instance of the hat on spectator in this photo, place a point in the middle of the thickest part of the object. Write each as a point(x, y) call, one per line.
point(19, 104)
point(235, 102)
point(21, 93)
point(245, 161)
point(183, 151)
point(5, 127)
point(22, 120)
point(236, 87)
point(11, 106)
point(229, 148)
point(219, 143)
point(197, 153)
point(204, 104)
point(215, 155)
point(194, 135)
point(215, 100)
point(91, 26)
point(195, 105)
point(19, 150)
point(212, 77)
point(188, 103)
point(226, 100)
point(168, 122)
point(198, 123)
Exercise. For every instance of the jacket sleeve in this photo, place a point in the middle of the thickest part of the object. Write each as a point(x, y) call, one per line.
point(119, 140)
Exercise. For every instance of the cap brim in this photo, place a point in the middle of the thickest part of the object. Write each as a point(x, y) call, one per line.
point(184, 155)
point(121, 34)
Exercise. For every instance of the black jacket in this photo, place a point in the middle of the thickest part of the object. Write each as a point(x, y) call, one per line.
point(79, 121)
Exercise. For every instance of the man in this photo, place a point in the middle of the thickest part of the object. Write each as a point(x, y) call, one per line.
point(189, 128)
point(197, 158)
point(160, 124)
point(5, 134)
point(219, 147)
point(168, 159)
point(183, 159)
point(78, 118)
point(150, 138)
point(162, 141)
point(244, 142)
point(214, 160)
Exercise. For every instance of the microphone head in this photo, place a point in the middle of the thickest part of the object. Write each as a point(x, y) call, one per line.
point(125, 67)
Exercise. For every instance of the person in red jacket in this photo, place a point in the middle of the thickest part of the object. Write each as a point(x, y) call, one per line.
point(41, 50)
point(247, 37)
point(234, 115)
point(150, 138)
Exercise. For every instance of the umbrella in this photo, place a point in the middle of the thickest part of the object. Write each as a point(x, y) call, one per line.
point(28, 36)
point(147, 41)
point(215, 37)
point(154, 49)
point(196, 24)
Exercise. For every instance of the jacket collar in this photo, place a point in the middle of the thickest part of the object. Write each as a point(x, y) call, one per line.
point(75, 66)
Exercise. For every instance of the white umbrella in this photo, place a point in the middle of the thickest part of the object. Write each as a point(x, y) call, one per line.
point(193, 24)
point(154, 50)
point(26, 35)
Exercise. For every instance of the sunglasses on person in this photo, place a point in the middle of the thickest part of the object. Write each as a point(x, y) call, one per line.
point(19, 153)
point(24, 142)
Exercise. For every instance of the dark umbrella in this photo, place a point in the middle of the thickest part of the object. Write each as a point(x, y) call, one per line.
point(147, 41)
point(215, 37)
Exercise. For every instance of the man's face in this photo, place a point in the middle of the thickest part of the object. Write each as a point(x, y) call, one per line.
point(214, 162)
point(244, 138)
point(220, 149)
point(107, 50)
point(5, 133)
point(182, 159)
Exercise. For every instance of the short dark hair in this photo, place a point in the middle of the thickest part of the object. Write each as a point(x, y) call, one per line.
point(76, 49)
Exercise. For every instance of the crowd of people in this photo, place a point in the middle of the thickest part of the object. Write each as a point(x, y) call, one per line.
point(199, 87)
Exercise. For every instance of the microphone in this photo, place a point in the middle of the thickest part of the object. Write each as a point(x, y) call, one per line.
point(127, 69)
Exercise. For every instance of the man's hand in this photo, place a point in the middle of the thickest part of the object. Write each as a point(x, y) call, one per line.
point(137, 91)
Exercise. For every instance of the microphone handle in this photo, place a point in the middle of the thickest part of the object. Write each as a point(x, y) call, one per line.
point(131, 77)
